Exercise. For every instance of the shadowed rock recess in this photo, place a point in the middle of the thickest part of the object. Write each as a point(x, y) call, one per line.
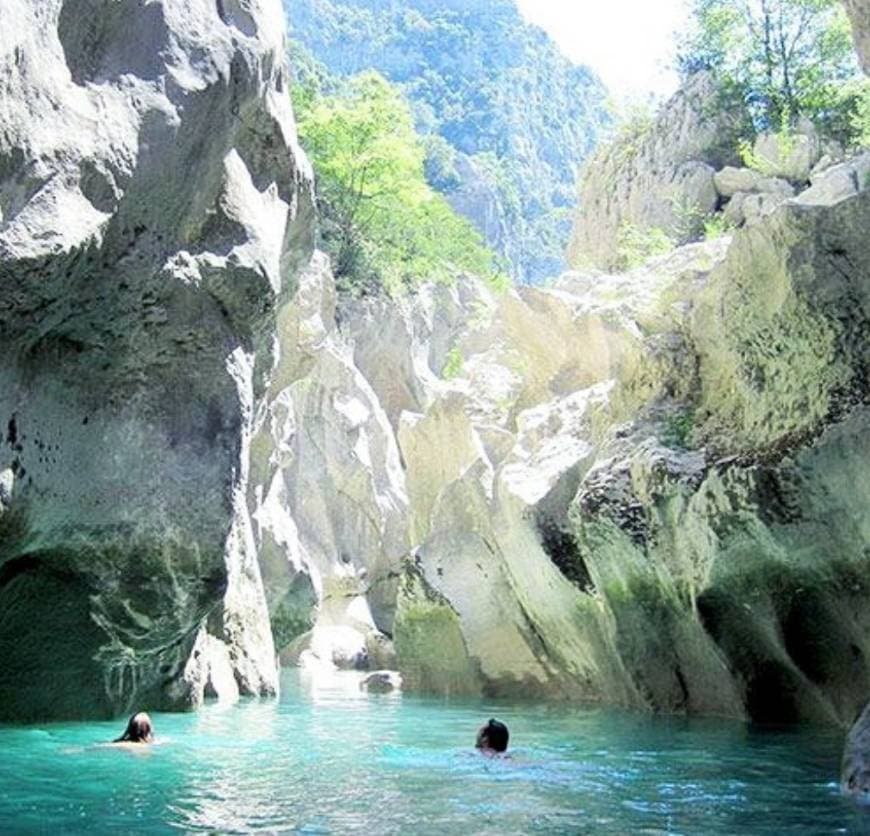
point(154, 208)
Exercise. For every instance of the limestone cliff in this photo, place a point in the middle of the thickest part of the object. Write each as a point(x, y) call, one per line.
point(646, 489)
point(154, 208)
point(658, 174)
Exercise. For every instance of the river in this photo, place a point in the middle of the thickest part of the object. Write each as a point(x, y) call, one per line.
point(328, 759)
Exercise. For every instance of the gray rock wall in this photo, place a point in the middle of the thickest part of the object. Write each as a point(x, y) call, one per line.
point(328, 490)
point(656, 176)
point(154, 208)
point(859, 14)
point(644, 489)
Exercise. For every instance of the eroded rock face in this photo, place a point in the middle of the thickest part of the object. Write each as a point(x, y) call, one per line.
point(328, 492)
point(658, 176)
point(154, 207)
point(730, 551)
point(646, 489)
point(497, 597)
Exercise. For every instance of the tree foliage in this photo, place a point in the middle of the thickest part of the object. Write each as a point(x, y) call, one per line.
point(481, 81)
point(780, 58)
point(382, 224)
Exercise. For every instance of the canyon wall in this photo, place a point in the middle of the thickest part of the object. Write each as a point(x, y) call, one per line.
point(154, 209)
point(657, 173)
point(646, 489)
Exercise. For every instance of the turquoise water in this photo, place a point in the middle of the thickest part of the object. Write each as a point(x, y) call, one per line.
point(331, 760)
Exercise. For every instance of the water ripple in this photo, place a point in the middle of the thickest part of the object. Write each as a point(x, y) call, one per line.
point(333, 761)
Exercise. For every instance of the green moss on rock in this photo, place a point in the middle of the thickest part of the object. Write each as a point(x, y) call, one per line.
point(429, 644)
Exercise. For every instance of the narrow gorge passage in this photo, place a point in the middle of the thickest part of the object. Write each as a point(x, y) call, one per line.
point(366, 374)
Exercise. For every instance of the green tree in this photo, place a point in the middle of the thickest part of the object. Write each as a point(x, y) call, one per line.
point(484, 81)
point(440, 164)
point(381, 222)
point(780, 58)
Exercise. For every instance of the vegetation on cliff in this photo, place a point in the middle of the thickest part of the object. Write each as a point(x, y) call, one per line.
point(506, 118)
point(779, 60)
point(771, 96)
point(381, 223)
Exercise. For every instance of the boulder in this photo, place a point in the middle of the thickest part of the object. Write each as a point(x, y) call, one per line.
point(832, 154)
point(855, 769)
point(382, 682)
point(790, 156)
point(693, 192)
point(731, 181)
point(154, 209)
point(733, 212)
point(748, 207)
point(838, 182)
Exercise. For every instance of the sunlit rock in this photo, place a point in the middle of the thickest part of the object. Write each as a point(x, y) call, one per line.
point(210, 669)
point(658, 176)
point(749, 207)
point(838, 182)
point(328, 490)
point(730, 180)
point(667, 507)
point(724, 529)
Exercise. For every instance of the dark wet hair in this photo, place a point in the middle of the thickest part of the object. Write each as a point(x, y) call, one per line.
point(139, 730)
point(494, 735)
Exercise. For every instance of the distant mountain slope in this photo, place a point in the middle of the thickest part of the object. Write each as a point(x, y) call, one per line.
point(518, 116)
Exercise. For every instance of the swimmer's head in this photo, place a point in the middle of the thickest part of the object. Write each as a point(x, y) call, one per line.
point(493, 737)
point(139, 729)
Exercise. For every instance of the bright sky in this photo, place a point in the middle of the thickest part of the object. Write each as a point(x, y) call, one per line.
point(629, 43)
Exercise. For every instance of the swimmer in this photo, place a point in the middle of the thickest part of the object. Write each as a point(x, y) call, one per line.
point(139, 730)
point(492, 739)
